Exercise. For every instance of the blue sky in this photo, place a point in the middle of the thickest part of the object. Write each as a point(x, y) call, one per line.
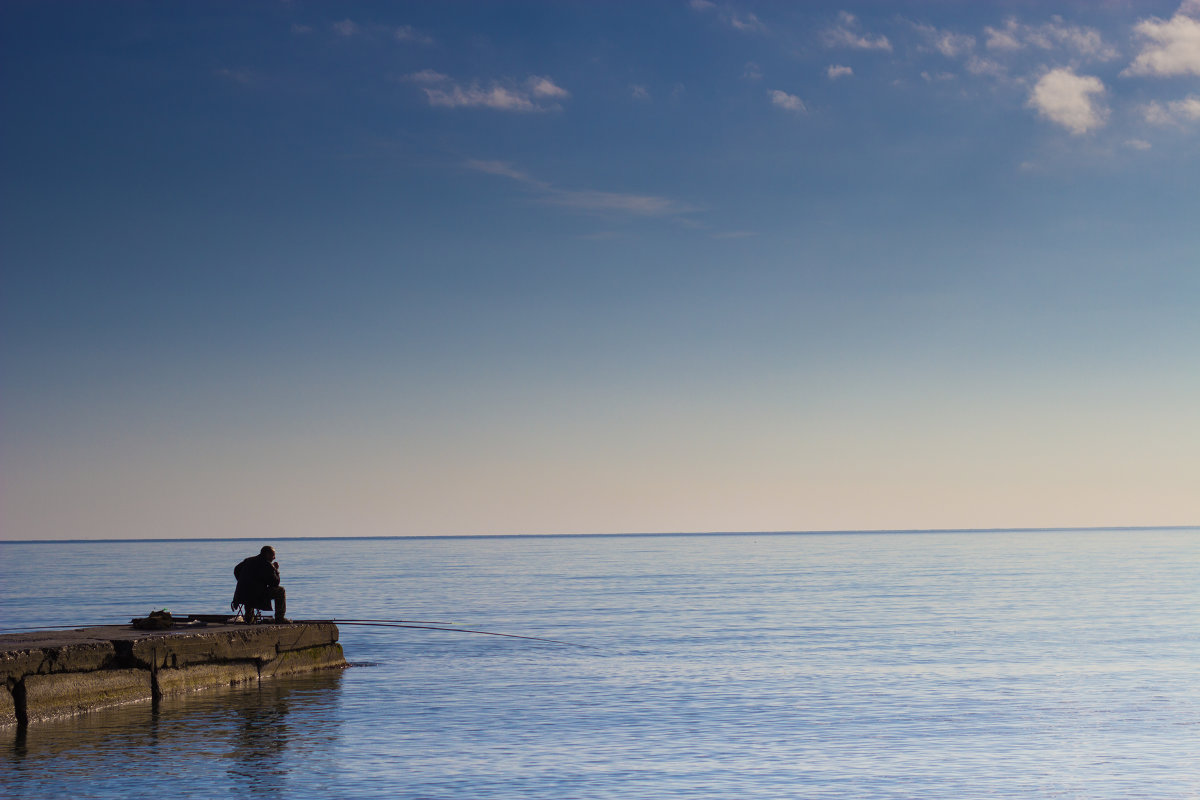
point(437, 268)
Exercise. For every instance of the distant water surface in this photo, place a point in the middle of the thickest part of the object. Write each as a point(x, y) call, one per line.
point(932, 665)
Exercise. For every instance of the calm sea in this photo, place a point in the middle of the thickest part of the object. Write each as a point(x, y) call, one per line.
point(931, 665)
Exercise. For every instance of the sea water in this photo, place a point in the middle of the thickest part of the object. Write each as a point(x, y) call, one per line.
point(1028, 664)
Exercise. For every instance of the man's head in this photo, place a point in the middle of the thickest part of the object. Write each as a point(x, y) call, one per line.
point(267, 552)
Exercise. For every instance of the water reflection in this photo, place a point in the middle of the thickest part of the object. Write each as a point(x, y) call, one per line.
point(247, 738)
point(260, 739)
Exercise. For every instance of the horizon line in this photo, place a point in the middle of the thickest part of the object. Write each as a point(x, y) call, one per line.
point(1052, 529)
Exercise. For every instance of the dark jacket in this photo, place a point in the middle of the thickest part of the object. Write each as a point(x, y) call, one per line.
point(256, 577)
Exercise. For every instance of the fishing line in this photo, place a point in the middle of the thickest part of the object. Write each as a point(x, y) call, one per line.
point(458, 630)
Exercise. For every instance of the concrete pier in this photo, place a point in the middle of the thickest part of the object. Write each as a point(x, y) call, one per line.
point(49, 674)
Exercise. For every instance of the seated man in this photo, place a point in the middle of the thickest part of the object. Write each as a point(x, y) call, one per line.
point(258, 584)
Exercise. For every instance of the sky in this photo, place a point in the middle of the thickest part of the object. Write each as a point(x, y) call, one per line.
point(383, 268)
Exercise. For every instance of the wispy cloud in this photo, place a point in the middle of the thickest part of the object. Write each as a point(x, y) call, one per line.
point(504, 170)
point(1175, 112)
point(639, 92)
point(743, 21)
point(746, 23)
point(1072, 101)
point(1006, 38)
point(847, 34)
point(546, 88)
point(788, 102)
point(1078, 40)
point(1169, 47)
point(948, 43)
point(406, 34)
point(980, 65)
point(242, 77)
point(638, 205)
point(536, 93)
point(836, 71)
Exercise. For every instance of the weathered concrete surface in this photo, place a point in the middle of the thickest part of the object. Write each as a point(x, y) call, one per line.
point(179, 648)
point(8, 710)
point(65, 693)
point(58, 651)
point(48, 674)
point(203, 676)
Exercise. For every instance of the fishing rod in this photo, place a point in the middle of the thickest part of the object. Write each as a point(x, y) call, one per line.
point(393, 621)
point(455, 630)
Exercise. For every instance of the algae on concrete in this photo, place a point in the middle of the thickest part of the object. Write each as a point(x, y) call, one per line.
point(64, 693)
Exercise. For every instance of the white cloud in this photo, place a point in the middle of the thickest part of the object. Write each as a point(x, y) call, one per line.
point(300, 30)
point(743, 21)
point(407, 33)
point(747, 23)
point(544, 87)
point(788, 102)
point(948, 43)
point(752, 72)
point(1008, 38)
point(1070, 100)
point(1137, 144)
point(1083, 41)
point(347, 27)
point(635, 204)
point(1189, 107)
point(1157, 114)
point(1176, 112)
point(846, 34)
point(531, 96)
point(978, 65)
point(1076, 39)
point(1169, 47)
point(495, 97)
point(929, 77)
point(639, 92)
point(638, 205)
point(836, 71)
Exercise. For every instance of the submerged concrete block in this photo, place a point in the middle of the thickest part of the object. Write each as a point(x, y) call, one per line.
point(64, 693)
point(204, 676)
point(326, 656)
